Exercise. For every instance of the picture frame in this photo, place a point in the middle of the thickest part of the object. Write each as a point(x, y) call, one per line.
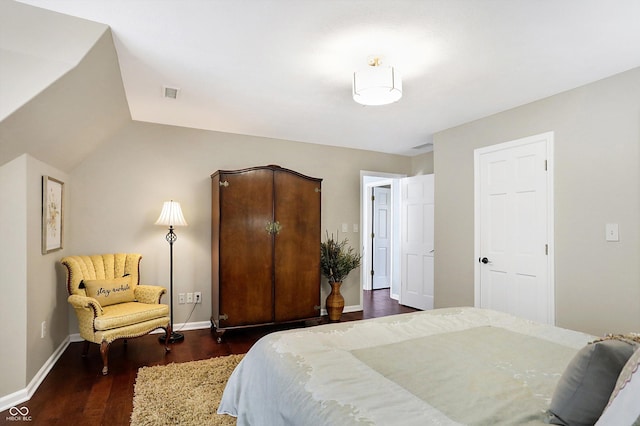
point(52, 214)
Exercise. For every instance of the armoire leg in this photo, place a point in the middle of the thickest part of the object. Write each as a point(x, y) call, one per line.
point(216, 333)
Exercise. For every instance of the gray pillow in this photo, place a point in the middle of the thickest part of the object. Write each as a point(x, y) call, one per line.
point(586, 384)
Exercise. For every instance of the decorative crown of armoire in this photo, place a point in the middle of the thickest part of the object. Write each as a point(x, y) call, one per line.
point(265, 247)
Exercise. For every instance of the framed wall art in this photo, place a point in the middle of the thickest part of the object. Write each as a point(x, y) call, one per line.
point(52, 214)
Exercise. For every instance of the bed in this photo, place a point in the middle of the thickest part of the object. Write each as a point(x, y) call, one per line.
point(442, 367)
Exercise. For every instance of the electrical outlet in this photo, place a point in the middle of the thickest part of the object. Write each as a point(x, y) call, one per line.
point(198, 296)
point(189, 297)
point(43, 329)
point(611, 230)
point(181, 298)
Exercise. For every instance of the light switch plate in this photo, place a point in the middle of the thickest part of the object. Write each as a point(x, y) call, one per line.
point(611, 230)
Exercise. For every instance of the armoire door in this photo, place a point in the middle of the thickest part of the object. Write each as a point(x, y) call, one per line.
point(297, 246)
point(246, 206)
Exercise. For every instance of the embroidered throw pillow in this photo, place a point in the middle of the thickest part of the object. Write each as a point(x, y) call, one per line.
point(109, 292)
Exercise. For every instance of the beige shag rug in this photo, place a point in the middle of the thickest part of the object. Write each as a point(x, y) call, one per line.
point(185, 393)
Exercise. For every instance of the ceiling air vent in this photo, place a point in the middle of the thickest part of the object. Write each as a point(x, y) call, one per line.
point(424, 145)
point(170, 92)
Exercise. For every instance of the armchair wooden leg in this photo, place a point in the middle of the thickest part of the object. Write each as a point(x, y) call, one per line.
point(85, 348)
point(104, 351)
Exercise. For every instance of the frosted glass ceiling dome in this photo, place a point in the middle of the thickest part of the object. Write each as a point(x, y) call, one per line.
point(377, 84)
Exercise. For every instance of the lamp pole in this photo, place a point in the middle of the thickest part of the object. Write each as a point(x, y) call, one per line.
point(171, 238)
point(171, 215)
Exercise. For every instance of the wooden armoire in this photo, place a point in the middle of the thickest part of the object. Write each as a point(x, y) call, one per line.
point(265, 247)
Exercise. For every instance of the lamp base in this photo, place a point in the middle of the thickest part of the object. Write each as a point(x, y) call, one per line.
point(173, 338)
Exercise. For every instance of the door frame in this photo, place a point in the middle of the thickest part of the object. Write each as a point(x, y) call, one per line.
point(369, 179)
point(548, 137)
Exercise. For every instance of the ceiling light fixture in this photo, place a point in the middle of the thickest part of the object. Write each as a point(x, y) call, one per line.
point(377, 84)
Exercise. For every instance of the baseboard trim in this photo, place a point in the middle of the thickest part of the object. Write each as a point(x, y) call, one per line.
point(347, 309)
point(353, 308)
point(23, 395)
point(187, 326)
point(14, 399)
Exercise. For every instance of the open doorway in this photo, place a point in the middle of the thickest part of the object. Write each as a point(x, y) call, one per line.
point(380, 235)
point(390, 185)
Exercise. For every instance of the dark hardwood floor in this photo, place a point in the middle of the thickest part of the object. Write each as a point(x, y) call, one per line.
point(76, 393)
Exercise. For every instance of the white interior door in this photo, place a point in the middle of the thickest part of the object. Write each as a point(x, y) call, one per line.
point(381, 237)
point(417, 250)
point(513, 228)
point(370, 180)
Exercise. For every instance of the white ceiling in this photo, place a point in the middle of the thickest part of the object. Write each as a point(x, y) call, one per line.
point(283, 68)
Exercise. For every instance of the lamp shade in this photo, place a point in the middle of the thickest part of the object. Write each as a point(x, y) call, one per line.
point(377, 85)
point(171, 215)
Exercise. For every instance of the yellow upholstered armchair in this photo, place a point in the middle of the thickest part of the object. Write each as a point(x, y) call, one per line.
point(110, 303)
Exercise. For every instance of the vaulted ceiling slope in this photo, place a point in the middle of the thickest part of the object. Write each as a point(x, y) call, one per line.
point(283, 68)
point(62, 92)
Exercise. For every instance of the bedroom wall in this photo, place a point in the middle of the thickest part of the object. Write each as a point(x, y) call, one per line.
point(46, 293)
point(116, 195)
point(30, 291)
point(13, 263)
point(597, 175)
point(422, 164)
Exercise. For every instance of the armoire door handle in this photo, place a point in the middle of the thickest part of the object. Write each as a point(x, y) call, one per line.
point(273, 227)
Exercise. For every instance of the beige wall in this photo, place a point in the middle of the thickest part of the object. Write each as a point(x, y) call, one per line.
point(47, 298)
point(116, 195)
point(597, 181)
point(13, 263)
point(30, 282)
point(422, 164)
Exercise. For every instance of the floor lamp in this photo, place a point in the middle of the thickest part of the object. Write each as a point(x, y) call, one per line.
point(171, 216)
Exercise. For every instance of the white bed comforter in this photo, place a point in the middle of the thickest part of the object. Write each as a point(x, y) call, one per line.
point(441, 367)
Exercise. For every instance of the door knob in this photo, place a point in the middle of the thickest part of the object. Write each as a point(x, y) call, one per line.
point(483, 260)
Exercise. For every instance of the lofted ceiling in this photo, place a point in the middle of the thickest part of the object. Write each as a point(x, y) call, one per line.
point(283, 68)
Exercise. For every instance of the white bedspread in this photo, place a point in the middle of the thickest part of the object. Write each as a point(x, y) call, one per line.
point(441, 367)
